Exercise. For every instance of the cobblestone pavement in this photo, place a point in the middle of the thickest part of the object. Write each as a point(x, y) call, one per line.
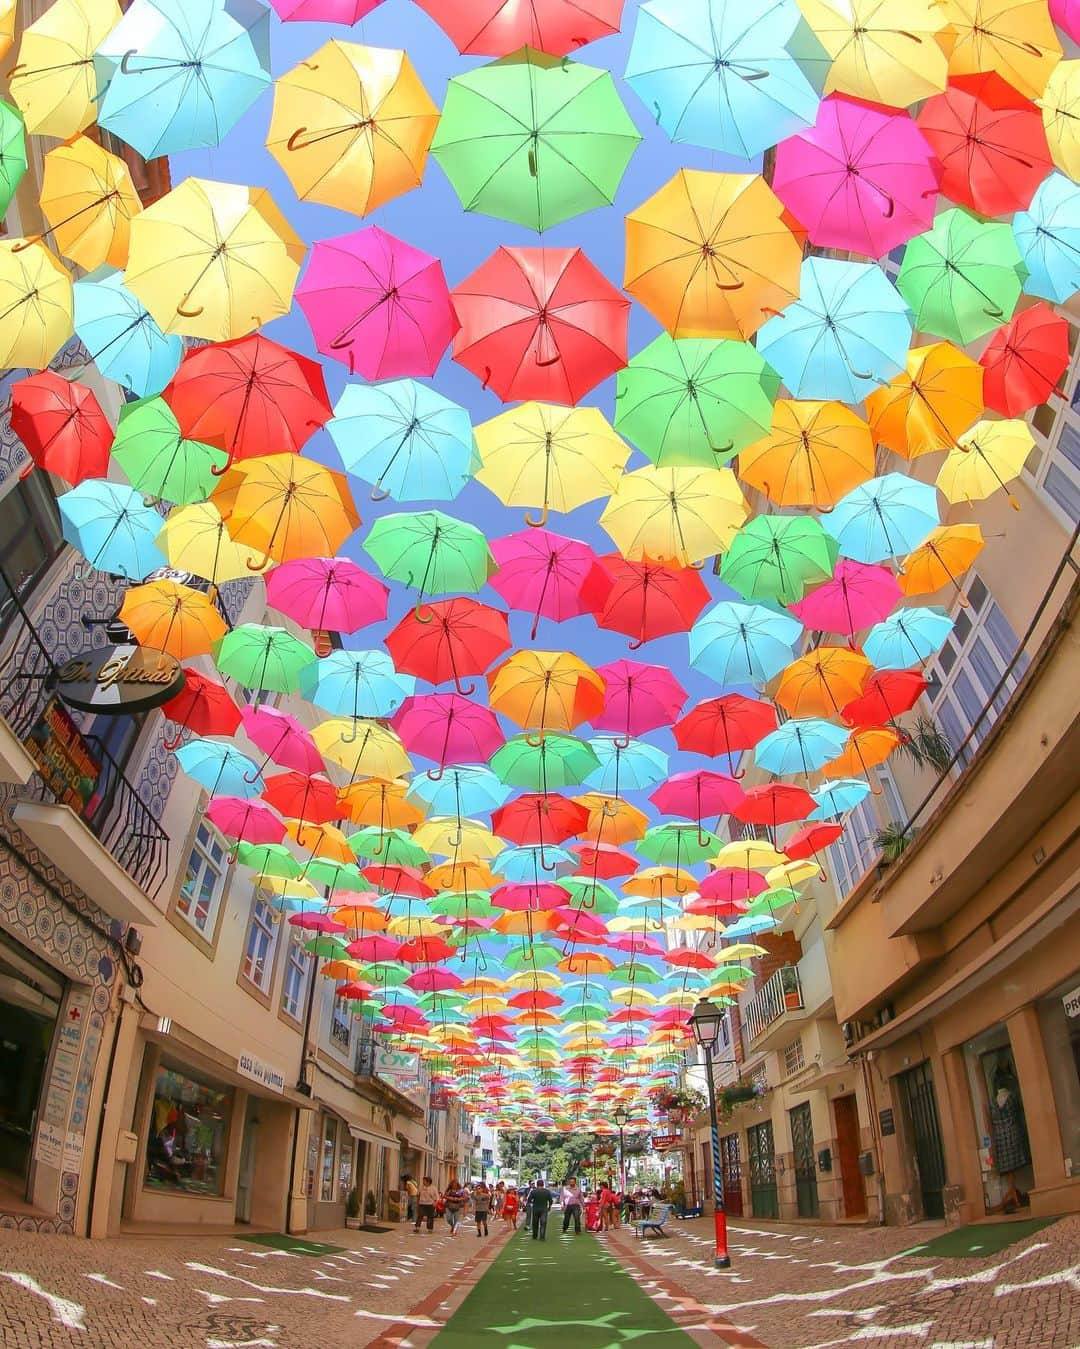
point(201, 1292)
point(797, 1286)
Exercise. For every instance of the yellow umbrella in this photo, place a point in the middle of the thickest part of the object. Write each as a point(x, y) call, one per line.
point(36, 316)
point(681, 514)
point(88, 198)
point(887, 51)
point(820, 683)
point(546, 690)
point(173, 618)
point(550, 458)
point(7, 25)
point(535, 979)
point(463, 840)
point(790, 874)
point(941, 559)
point(54, 83)
point(711, 254)
point(415, 925)
point(351, 126)
point(363, 748)
point(1060, 104)
point(195, 539)
point(990, 456)
point(1015, 38)
point(751, 853)
point(814, 454)
point(213, 260)
point(639, 922)
point(481, 984)
point(630, 993)
point(512, 923)
point(934, 400)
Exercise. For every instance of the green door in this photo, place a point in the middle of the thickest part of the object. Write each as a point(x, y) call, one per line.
point(764, 1202)
point(802, 1143)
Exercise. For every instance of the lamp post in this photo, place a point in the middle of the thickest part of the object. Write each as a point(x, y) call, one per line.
point(705, 1020)
point(620, 1115)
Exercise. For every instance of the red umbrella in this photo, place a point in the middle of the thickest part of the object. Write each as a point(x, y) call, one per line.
point(603, 861)
point(312, 797)
point(725, 725)
point(887, 694)
point(539, 818)
point(326, 592)
point(282, 738)
point(686, 958)
point(534, 1000)
point(638, 698)
point(454, 638)
point(732, 885)
point(644, 599)
point(636, 944)
point(498, 27)
point(774, 804)
point(811, 840)
point(62, 426)
point(540, 323)
point(1024, 360)
point(375, 948)
point(717, 908)
point(433, 980)
point(203, 706)
point(695, 795)
point(990, 142)
point(535, 898)
point(542, 573)
point(249, 396)
point(426, 951)
point(406, 882)
point(448, 728)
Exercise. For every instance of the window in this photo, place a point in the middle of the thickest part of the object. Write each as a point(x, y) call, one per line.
point(258, 963)
point(295, 981)
point(1055, 462)
point(204, 882)
point(29, 534)
point(793, 1057)
point(329, 1149)
point(189, 1129)
point(340, 1025)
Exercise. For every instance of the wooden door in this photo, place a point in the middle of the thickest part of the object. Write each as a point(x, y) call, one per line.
point(846, 1114)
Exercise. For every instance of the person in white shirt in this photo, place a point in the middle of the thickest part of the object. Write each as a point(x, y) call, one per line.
point(426, 1200)
point(572, 1200)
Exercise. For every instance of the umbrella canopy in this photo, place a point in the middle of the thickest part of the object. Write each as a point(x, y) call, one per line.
point(351, 126)
point(323, 11)
point(494, 28)
point(431, 551)
point(856, 596)
point(742, 643)
point(820, 683)
point(53, 82)
point(12, 152)
point(800, 746)
point(935, 399)
point(220, 769)
point(205, 707)
point(1048, 236)
point(1024, 360)
point(179, 74)
point(542, 573)
point(449, 640)
point(725, 725)
point(173, 618)
point(263, 657)
point(1015, 38)
point(684, 514)
point(885, 517)
point(941, 559)
point(447, 728)
point(303, 797)
point(330, 593)
point(630, 766)
point(35, 304)
point(363, 749)
point(546, 690)
point(775, 557)
point(724, 76)
point(540, 323)
point(643, 599)
point(861, 178)
point(907, 637)
point(533, 139)
point(710, 254)
point(281, 737)
point(885, 51)
point(377, 304)
point(987, 458)
point(195, 539)
point(156, 458)
point(638, 698)
point(124, 341)
point(886, 695)
point(812, 454)
point(213, 260)
point(556, 761)
point(1060, 103)
point(356, 684)
point(112, 527)
point(88, 199)
point(61, 426)
point(694, 401)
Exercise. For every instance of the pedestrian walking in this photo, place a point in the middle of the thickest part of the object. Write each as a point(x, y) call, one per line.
point(411, 1191)
point(510, 1207)
point(498, 1195)
point(572, 1201)
point(539, 1205)
point(592, 1212)
point(427, 1196)
point(455, 1197)
point(481, 1208)
point(608, 1210)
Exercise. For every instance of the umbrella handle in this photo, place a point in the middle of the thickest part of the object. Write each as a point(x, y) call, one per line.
point(351, 739)
point(729, 285)
point(291, 143)
point(697, 566)
point(723, 449)
point(189, 313)
point(466, 690)
point(533, 740)
point(220, 472)
point(621, 742)
point(22, 244)
point(552, 360)
point(636, 643)
point(377, 494)
point(168, 744)
point(436, 774)
point(251, 565)
point(125, 69)
point(536, 524)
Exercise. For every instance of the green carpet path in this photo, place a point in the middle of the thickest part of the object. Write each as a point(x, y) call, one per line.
point(564, 1291)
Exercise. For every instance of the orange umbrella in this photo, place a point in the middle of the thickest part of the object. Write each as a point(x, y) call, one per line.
point(820, 683)
point(930, 404)
point(462, 877)
point(612, 820)
point(866, 747)
point(814, 454)
point(546, 690)
point(941, 559)
point(379, 802)
point(320, 840)
point(361, 918)
point(173, 618)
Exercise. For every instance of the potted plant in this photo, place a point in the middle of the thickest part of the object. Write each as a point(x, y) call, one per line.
point(741, 1093)
point(369, 1205)
point(352, 1209)
point(789, 982)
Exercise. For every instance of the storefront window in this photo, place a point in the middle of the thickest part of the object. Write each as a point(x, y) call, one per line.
point(345, 1160)
point(329, 1147)
point(1059, 1016)
point(1000, 1121)
point(189, 1129)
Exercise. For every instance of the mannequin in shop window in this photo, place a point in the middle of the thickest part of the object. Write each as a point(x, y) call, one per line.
point(1008, 1131)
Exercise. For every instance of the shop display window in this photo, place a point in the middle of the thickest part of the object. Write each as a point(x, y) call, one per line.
point(189, 1130)
point(1000, 1121)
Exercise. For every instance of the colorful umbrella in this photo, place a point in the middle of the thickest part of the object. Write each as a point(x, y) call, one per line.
point(377, 304)
point(494, 28)
point(546, 690)
point(856, 596)
point(885, 517)
point(302, 796)
point(1048, 236)
point(866, 748)
point(812, 454)
point(644, 600)
point(282, 738)
point(262, 657)
point(324, 11)
point(624, 766)
point(351, 126)
point(247, 821)
point(775, 557)
point(820, 683)
point(725, 725)
point(925, 408)
point(886, 695)
point(772, 805)
point(533, 139)
point(848, 332)
point(448, 729)
point(123, 340)
point(12, 152)
point(173, 618)
point(1060, 105)
point(697, 794)
point(555, 761)
point(329, 593)
point(450, 640)
point(35, 304)
point(219, 768)
point(205, 707)
point(156, 458)
point(1015, 38)
point(540, 323)
point(988, 457)
point(1024, 361)
point(941, 559)
point(88, 199)
point(363, 749)
point(710, 254)
point(638, 698)
point(742, 643)
point(356, 684)
point(542, 573)
point(430, 551)
point(53, 82)
point(112, 527)
point(684, 514)
point(907, 637)
point(462, 789)
point(838, 797)
point(61, 426)
point(885, 51)
point(195, 539)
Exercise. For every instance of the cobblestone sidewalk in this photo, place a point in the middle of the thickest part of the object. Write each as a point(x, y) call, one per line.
point(814, 1287)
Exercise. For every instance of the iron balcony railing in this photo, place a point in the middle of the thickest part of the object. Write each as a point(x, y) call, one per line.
point(780, 993)
point(109, 805)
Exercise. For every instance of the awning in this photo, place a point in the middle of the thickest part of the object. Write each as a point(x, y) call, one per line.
point(368, 1134)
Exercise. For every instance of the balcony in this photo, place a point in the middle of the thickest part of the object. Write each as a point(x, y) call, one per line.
point(73, 799)
point(776, 1003)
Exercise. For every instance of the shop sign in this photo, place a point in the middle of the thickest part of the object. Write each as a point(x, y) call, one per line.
point(62, 757)
point(887, 1122)
point(1071, 1002)
point(661, 1142)
point(247, 1065)
point(440, 1100)
point(49, 1148)
point(400, 1071)
point(120, 681)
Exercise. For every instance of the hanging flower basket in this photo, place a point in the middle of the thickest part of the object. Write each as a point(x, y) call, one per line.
point(739, 1094)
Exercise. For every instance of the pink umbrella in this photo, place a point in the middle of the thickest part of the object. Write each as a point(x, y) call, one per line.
point(536, 898)
point(327, 592)
point(433, 980)
point(324, 11)
point(281, 738)
point(316, 922)
point(637, 943)
point(245, 821)
point(448, 728)
point(695, 795)
point(1066, 15)
point(578, 926)
point(857, 596)
point(542, 573)
point(374, 948)
point(862, 177)
point(730, 885)
point(377, 304)
point(638, 698)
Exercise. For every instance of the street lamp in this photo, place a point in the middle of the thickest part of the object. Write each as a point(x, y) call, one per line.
point(705, 1020)
point(621, 1115)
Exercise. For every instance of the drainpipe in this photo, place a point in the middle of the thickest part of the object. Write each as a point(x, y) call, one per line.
point(875, 1134)
point(304, 1086)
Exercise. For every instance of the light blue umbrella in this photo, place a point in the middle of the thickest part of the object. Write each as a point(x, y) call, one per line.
point(405, 439)
point(838, 797)
point(222, 770)
point(123, 340)
point(1048, 236)
point(907, 637)
point(884, 517)
point(523, 864)
point(728, 75)
point(113, 528)
point(743, 643)
point(179, 74)
point(800, 746)
point(463, 789)
point(626, 767)
point(356, 684)
point(847, 333)
point(748, 924)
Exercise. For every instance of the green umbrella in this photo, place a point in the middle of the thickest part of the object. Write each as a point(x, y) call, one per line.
point(537, 956)
point(637, 972)
point(337, 875)
point(475, 904)
point(269, 859)
point(388, 847)
point(775, 557)
point(963, 277)
point(770, 901)
point(156, 458)
point(674, 845)
point(593, 895)
point(695, 400)
point(557, 761)
point(586, 1012)
point(261, 657)
point(331, 948)
point(386, 973)
point(431, 551)
point(12, 152)
point(534, 139)
point(730, 974)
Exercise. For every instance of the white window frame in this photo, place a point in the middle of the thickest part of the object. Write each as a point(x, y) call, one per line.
point(339, 1023)
point(296, 974)
point(257, 967)
point(794, 1057)
point(1052, 469)
point(208, 856)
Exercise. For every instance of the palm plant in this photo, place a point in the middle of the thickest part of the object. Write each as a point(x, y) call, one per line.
point(926, 745)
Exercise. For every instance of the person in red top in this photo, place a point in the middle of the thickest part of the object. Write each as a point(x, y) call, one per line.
point(510, 1209)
